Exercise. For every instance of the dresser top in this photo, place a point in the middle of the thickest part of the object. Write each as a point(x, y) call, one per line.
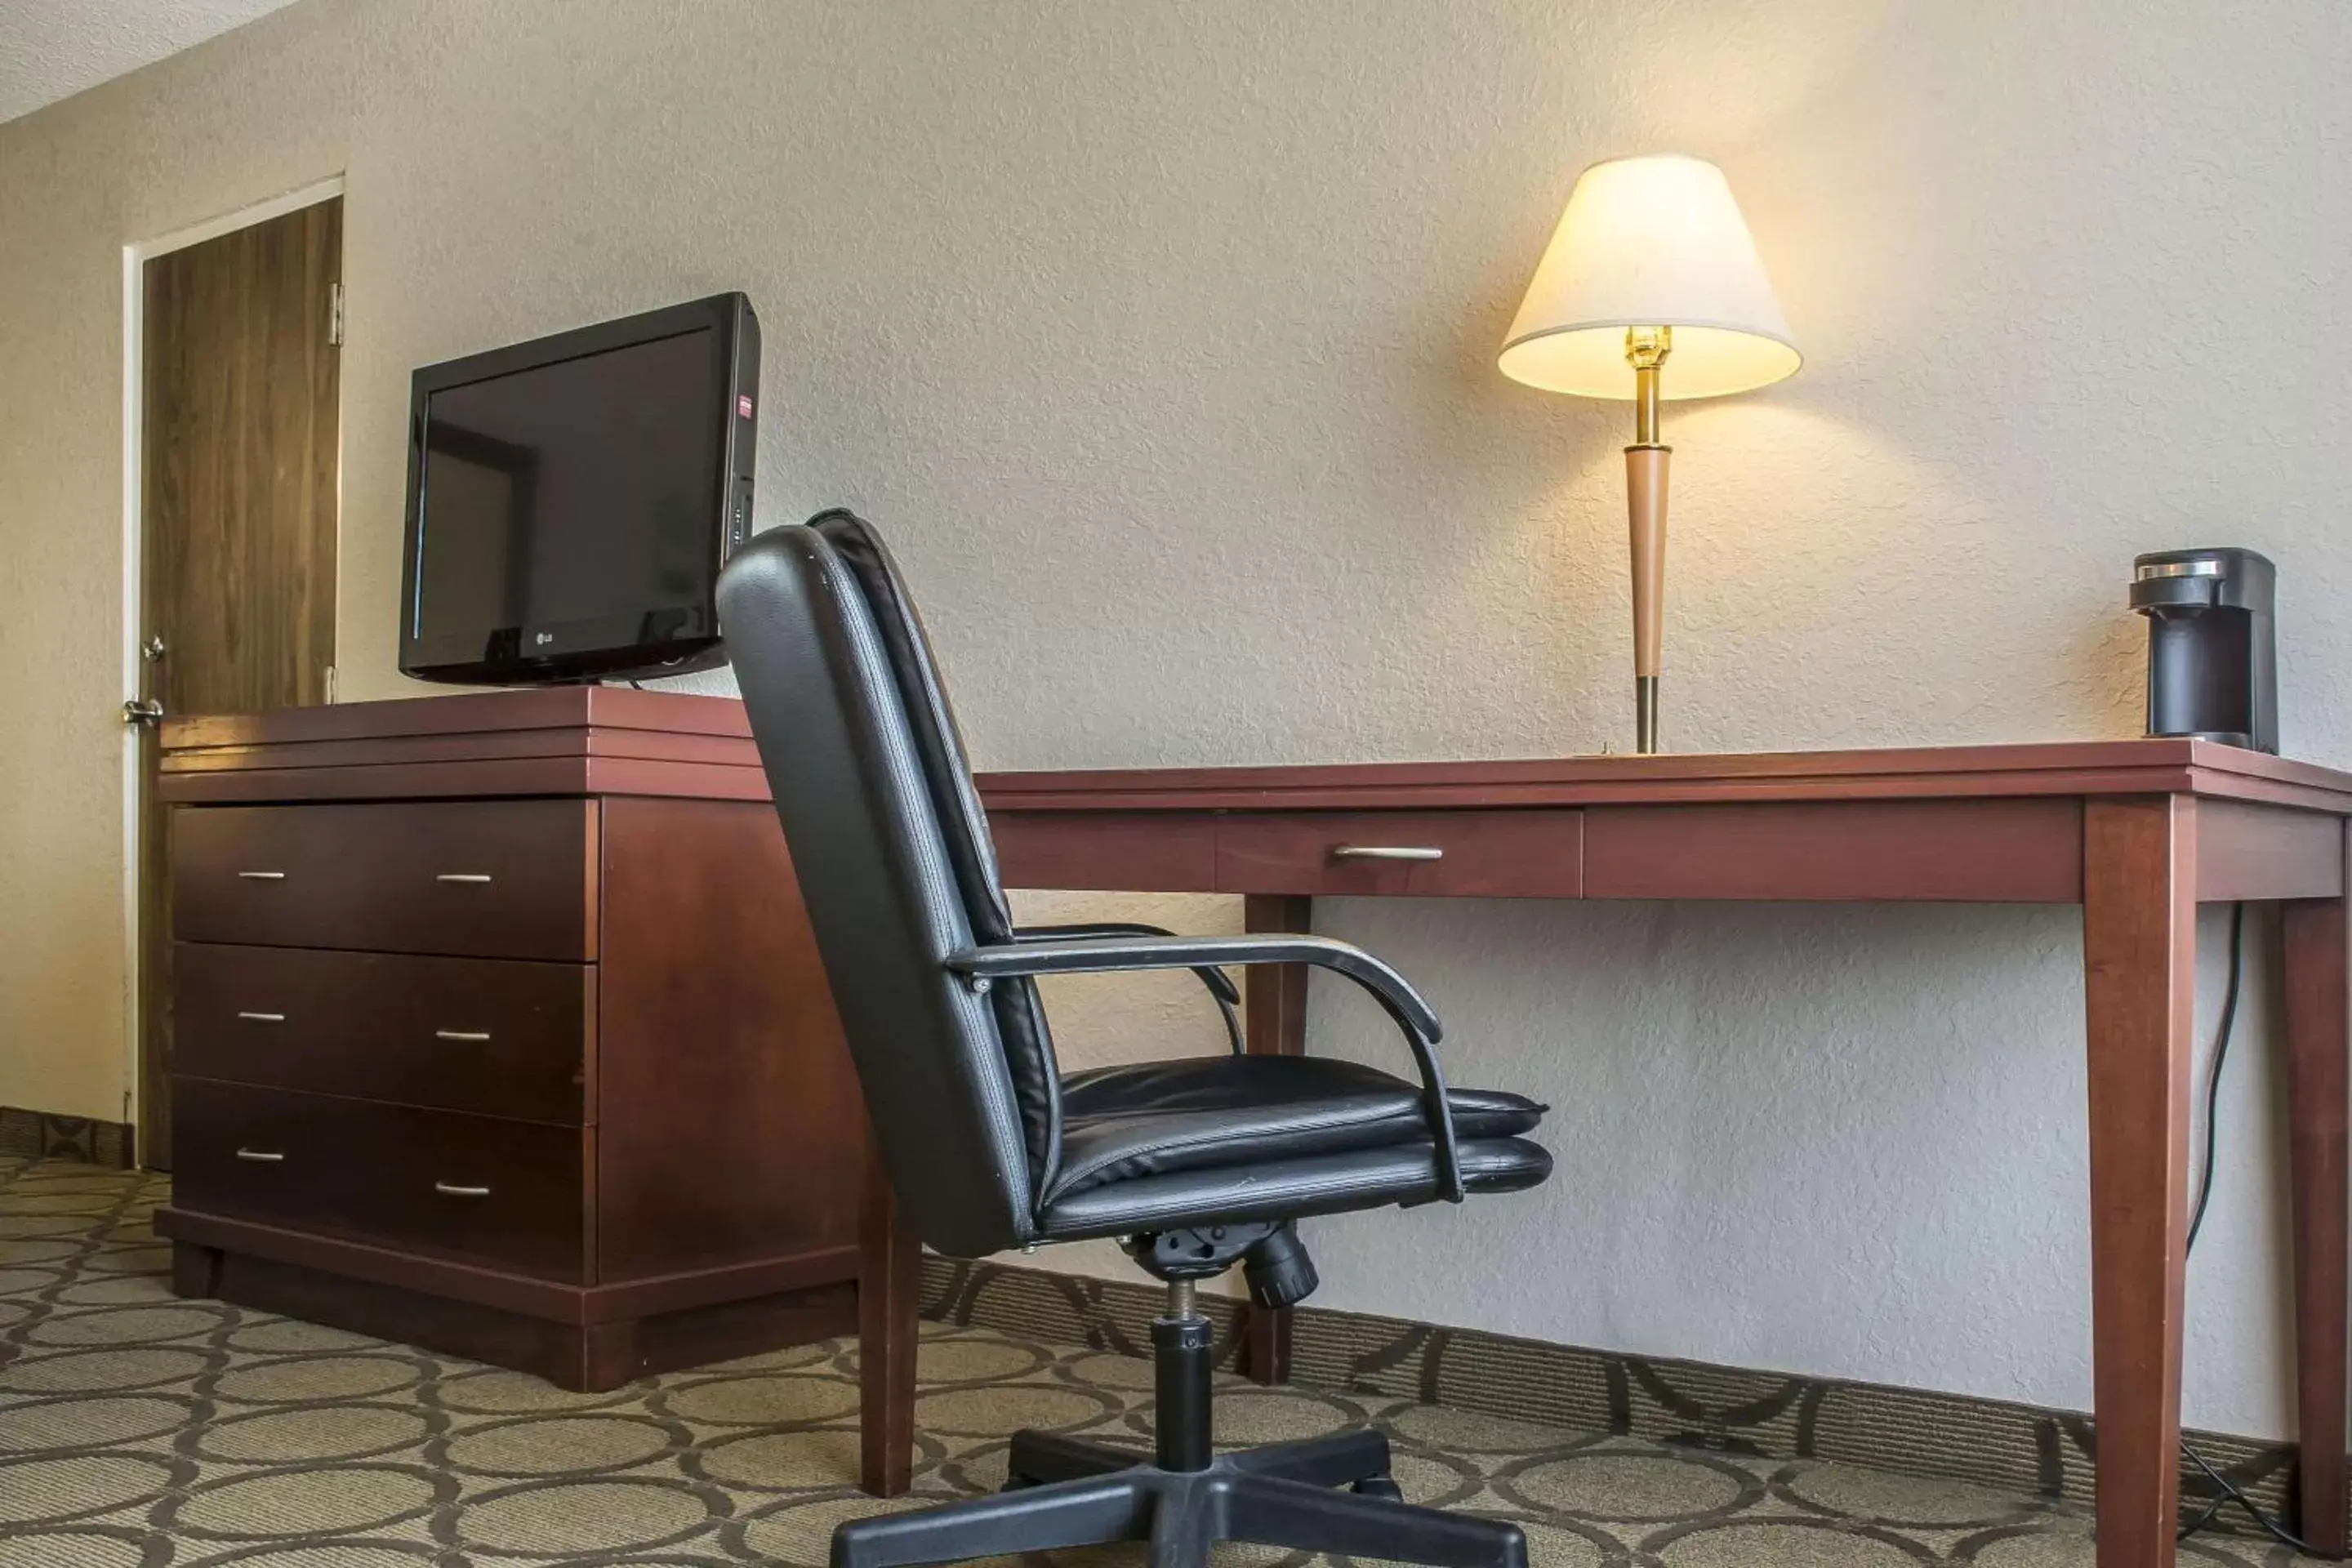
point(545, 740)
point(464, 713)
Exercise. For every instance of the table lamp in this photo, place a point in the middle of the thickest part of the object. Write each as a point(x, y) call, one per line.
point(1651, 289)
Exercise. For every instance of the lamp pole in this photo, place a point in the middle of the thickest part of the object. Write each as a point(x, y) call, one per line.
point(1646, 349)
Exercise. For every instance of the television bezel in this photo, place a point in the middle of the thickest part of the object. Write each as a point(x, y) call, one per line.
point(610, 647)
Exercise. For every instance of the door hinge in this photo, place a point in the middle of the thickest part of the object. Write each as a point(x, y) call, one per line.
point(335, 316)
point(331, 686)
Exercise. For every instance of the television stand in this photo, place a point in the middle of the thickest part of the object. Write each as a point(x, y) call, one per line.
point(499, 1028)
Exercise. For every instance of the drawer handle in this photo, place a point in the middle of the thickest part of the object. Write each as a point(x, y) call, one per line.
point(475, 876)
point(451, 1190)
point(262, 1156)
point(263, 876)
point(263, 1017)
point(1387, 852)
point(474, 1036)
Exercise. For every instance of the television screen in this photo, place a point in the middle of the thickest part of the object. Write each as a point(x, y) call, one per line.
point(571, 501)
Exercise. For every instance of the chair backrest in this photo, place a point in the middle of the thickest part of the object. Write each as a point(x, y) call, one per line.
point(892, 852)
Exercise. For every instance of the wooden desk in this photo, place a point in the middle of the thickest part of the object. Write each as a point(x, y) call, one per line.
point(2137, 832)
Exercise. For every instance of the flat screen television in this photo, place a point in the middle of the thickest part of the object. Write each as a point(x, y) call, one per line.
point(571, 500)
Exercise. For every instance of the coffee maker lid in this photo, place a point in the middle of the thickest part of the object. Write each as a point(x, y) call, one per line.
point(2213, 560)
point(2225, 574)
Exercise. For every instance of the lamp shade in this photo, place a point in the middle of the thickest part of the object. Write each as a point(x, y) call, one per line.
point(1653, 241)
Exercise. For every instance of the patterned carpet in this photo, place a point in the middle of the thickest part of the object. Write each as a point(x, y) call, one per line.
point(137, 1431)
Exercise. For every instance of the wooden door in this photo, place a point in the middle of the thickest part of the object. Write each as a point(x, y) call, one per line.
point(237, 554)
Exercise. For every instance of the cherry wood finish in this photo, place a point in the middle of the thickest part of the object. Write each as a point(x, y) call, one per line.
point(2140, 967)
point(656, 1157)
point(539, 744)
point(497, 1036)
point(2316, 935)
point(240, 389)
point(482, 779)
point(556, 1301)
point(889, 1299)
point(2137, 832)
point(707, 1126)
point(477, 1189)
point(1977, 851)
point(2025, 824)
point(1480, 854)
point(374, 1291)
point(2072, 768)
point(551, 741)
point(1274, 1019)
point(1274, 996)
point(507, 879)
point(256, 1270)
point(2258, 852)
point(1076, 849)
point(539, 720)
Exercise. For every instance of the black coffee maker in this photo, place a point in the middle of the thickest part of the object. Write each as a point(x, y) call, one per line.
point(2212, 663)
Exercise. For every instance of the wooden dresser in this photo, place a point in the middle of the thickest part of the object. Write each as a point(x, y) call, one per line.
point(498, 1027)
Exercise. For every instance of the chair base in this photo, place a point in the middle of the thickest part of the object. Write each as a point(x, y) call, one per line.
point(1062, 1492)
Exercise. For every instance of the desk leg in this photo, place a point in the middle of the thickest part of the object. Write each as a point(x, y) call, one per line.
point(2319, 1084)
point(2140, 961)
point(890, 1270)
point(1276, 1020)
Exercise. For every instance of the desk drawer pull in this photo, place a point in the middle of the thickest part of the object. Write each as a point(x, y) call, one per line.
point(474, 1036)
point(473, 876)
point(451, 1190)
point(1387, 852)
point(262, 1156)
point(263, 876)
point(263, 1017)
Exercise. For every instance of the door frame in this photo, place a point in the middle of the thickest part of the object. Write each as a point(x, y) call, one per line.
point(135, 256)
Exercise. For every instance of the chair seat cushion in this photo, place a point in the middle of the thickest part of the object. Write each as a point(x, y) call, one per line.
point(1156, 1119)
point(1401, 1173)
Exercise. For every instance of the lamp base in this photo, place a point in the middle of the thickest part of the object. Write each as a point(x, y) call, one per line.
point(1645, 512)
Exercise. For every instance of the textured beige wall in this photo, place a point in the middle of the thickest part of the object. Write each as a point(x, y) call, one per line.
point(1161, 337)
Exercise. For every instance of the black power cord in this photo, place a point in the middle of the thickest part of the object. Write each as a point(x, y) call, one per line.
point(2222, 1033)
point(2229, 1490)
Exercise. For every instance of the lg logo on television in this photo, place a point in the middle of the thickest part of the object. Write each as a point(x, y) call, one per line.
point(543, 638)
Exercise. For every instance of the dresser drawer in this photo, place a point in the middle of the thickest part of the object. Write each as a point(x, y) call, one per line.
point(499, 879)
point(502, 1037)
point(504, 1195)
point(1465, 854)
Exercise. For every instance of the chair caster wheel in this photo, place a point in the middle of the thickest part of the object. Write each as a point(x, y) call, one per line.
point(1382, 1487)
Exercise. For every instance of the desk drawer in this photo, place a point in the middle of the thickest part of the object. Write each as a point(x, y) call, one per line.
point(1463, 854)
point(506, 1194)
point(504, 879)
point(497, 1035)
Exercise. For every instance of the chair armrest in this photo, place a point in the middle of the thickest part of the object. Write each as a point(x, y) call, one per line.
point(1215, 979)
point(1116, 954)
point(1113, 954)
point(1220, 984)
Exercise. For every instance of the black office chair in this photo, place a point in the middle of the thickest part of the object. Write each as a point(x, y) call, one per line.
point(1198, 1164)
